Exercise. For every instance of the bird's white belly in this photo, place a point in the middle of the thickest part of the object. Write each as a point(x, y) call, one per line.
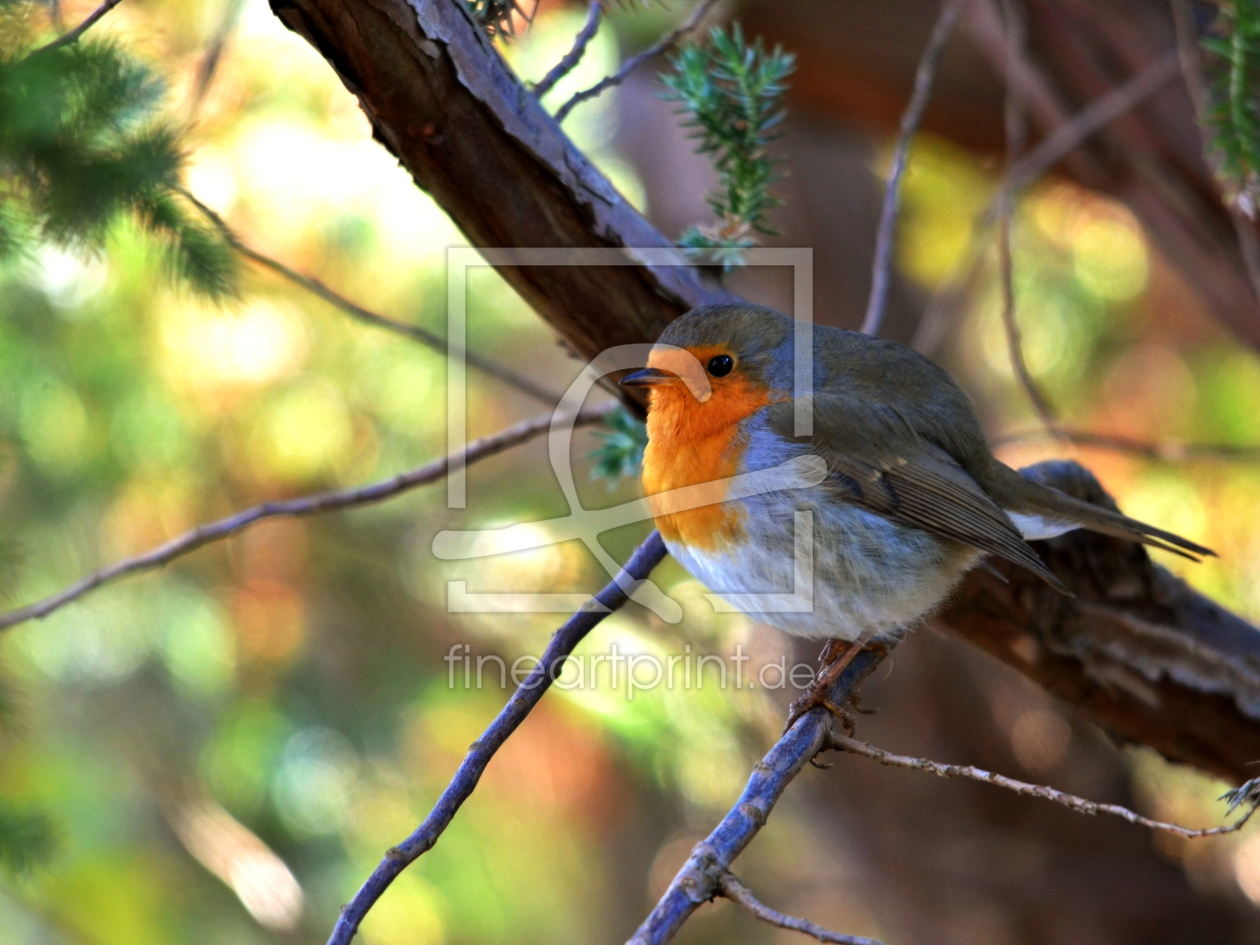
point(871, 576)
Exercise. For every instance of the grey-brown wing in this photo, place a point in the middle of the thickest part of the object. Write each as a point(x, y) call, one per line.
point(874, 462)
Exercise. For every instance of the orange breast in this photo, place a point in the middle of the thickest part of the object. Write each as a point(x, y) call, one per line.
point(690, 443)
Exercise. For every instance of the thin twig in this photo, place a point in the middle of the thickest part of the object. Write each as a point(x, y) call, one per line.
point(358, 312)
point(332, 501)
point(1052, 149)
point(641, 563)
point(664, 43)
point(730, 887)
point(881, 268)
point(1197, 87)
point(73, 36)
point(574, 55)
point(1016, 134)
point(1071, 801)
point(697, 881)
point(1169, 451)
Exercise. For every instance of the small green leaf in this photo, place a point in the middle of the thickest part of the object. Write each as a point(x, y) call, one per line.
point(622, 451)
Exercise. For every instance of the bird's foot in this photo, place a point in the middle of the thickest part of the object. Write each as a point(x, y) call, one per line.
point(835, 657)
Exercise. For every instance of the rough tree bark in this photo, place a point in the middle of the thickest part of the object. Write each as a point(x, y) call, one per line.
point(1139, 652)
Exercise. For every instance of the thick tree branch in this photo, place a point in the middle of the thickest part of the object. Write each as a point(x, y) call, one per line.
point(334, 501)
point(1070, 801)
point(646, 557)
point(443, 101)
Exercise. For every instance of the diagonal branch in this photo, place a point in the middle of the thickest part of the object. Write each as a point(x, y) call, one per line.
point(730, 887)
point(698, 880)
point(664, 43)
point(1070, 801)
point(333, 501)
point(359, 313)
point(881, 267)
point(73, 36)
point(574, 55)
point(527, 695)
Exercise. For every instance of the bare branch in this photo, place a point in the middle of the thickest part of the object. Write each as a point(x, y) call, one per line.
point(730, 887)
point(698, 881)
point(332, 501)
point(1091, 119)
point(415, 332)
point(1016, 135)
point(527, 695)
point(1052, 149)
point(664, 43)
point(73, 36)
point(574, 55)
point(881, 268)
point(1071, 801)
point(1168, 451)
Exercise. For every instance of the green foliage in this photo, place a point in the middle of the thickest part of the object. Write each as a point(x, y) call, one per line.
point(622, 451)
point(495, 16)
point(731, 93)
point(81, 144)
point(1235, 112)
point(27, 839)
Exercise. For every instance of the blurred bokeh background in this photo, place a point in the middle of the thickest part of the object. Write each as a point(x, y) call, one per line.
point(223, 750)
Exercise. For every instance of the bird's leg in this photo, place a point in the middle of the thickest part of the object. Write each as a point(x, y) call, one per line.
point(817, 693)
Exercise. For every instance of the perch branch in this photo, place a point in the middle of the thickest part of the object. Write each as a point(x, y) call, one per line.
point(1070, 801)
point(698, 880)
point(332, 501)
point(359, 313)
point(527, 695)
point(664, 43)
point(730, 887)
point(881, 267)
point(574, 55)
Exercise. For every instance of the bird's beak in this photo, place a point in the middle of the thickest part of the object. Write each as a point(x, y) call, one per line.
point(646, 378)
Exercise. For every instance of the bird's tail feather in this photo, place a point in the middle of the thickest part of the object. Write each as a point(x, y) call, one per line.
point(1053, 504)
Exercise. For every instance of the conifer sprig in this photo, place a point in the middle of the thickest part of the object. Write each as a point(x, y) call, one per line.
point(1234, 66)
point(621, 453)
point(83, 143)
point(731, 93)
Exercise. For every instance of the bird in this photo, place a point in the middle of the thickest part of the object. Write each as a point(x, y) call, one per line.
point(911, 499)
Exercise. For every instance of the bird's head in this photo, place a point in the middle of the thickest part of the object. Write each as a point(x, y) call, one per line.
point(718, 364)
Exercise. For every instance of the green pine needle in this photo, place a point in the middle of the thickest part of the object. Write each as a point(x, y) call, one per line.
point(1234, 64)
point(622, 451)
point(83, 144)
point(27, 840)
point(731, 94)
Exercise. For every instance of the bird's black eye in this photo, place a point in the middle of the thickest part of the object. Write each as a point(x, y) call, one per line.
point(721, 365)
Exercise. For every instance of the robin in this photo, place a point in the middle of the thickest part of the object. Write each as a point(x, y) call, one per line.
point(912, 500)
